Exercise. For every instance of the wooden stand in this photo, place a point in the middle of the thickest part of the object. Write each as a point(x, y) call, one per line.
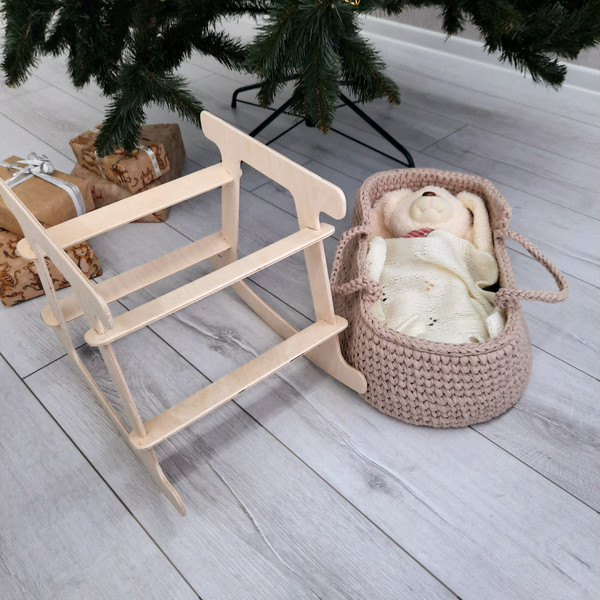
point(318, 342)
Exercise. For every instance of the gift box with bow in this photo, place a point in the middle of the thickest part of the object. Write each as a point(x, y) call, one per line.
point(132, 170)
point(52, 196)
point(106, 192)
point(19, 280)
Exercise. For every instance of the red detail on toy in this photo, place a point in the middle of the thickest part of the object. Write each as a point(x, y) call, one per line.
point(418, 232)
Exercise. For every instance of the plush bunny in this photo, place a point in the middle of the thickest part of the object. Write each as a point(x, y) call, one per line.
point(406, 213)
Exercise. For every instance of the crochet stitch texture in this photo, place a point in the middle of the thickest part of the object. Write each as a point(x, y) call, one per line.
point(432, 383)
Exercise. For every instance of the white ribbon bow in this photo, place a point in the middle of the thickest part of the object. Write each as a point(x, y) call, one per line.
point(40, 166)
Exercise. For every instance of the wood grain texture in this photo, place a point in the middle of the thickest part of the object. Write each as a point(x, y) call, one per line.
point(215, 92)
point(312, 195)
point(139, 205)
point(261, 224)
point(143, 275)
point(18, 141)
point(53, 71)
point(568, 331)
point(53, 116)
point(211, 397)
point(24, 339)
point(278, 196)
point(341, 154)
point(540, 220)
point(570, 101)
point(554, 427)
point(31, 85)
point(64, 534)
point(538, 215)
point(260, 524)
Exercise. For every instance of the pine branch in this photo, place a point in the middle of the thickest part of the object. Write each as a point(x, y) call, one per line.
point(132, 48)
point(139, 87)
point(26, 23)
point(318, 44)
point(364, 72)
point(219, 45)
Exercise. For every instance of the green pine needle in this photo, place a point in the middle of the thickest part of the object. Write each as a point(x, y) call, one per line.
point(132, 48)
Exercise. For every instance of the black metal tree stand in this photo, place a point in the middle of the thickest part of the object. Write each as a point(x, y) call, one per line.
point(283, 109)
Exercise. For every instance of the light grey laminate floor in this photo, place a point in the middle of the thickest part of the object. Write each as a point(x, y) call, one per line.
point(297, 489)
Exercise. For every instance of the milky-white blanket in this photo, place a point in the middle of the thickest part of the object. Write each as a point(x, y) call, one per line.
point(433, 288)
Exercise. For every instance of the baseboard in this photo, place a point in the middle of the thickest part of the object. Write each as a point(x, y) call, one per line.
point(433, 41)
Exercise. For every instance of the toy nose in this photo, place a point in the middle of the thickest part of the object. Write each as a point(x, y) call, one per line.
point(430, 209)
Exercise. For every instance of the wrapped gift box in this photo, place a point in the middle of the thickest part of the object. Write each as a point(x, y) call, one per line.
point(133, 170)
point(49, 203)
point(19, 280)
point(106, 192)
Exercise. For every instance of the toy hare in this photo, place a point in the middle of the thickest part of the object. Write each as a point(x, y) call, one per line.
point(432, 253)
point(407, 213)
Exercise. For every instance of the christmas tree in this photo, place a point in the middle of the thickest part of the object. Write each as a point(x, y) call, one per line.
point(132, 48)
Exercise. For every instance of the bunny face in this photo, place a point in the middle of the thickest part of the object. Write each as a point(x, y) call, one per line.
point(431, 206)
point(431, 209)
point(398, 213)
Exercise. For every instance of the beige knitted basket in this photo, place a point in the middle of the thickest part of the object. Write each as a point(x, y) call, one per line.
point(431, 383)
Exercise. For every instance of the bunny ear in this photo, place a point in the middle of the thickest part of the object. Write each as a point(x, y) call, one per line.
point(482, 233)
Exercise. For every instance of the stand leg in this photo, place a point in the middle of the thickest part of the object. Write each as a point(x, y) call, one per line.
point(328, 355)
point(146, 457)
point(352, 105)
point(347, 102)
point(271, 118)
point(245, 88)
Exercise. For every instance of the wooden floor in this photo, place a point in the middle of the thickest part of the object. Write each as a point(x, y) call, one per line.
point(297, 489)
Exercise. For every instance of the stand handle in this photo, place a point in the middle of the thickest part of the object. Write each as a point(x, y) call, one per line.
point(508, 294)
point(372, 288)
point(504, 295)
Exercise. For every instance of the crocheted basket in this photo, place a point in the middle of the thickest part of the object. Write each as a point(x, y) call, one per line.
point(432, 383)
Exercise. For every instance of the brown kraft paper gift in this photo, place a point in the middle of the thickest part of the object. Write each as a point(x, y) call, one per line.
point(105, 192)
point(133, 170)
point(49, 203)
point(19, 280)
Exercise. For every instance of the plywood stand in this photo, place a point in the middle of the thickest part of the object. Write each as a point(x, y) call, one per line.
point(318, 342)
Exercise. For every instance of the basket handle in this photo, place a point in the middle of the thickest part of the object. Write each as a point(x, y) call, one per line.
point(372, 288)
point(506, 294)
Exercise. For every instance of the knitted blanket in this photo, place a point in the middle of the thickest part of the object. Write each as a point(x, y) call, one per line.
point(434, 288)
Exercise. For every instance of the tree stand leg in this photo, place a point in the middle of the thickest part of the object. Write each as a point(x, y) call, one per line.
point(408, 162)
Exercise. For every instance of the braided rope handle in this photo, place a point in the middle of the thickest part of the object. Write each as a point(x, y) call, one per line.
point(372, 288)
point(505, 295)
